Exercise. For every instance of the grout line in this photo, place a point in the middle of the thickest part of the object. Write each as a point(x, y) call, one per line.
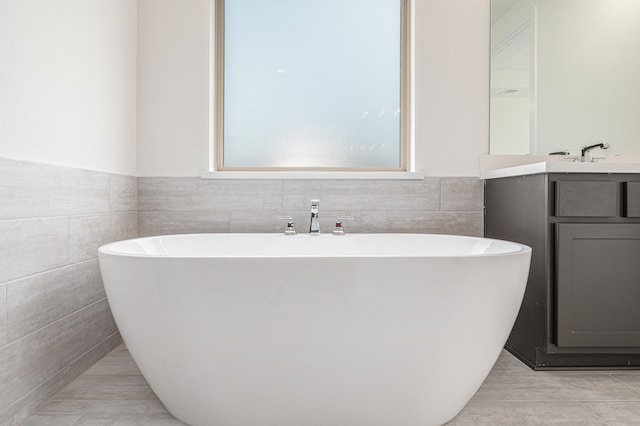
point(59, 268)
point(634, 390)
point(102, 214)
point(26, 219)
point(581, 403)
point(6, 306)
point(68, 239)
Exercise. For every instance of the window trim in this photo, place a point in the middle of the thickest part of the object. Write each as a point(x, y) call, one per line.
point(217, 148)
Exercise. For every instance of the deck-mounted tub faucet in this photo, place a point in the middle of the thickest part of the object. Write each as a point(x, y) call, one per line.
point(314, 226)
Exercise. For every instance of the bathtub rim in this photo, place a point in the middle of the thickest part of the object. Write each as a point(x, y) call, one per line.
point(107, 250)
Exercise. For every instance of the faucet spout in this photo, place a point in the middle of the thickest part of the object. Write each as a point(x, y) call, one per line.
point(585, 151)
point(314, 226)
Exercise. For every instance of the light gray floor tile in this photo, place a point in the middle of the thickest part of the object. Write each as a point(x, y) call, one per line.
point(512, 413)
point(114, 393)
point(594, 386)
point(631, 379)
point(125, 412)
point(616, 413)
point(507, 364)
point(66, 407)
point(117, 363)
point(51, 420)
point(129, 422)
point(107, 388)
point(556, 386)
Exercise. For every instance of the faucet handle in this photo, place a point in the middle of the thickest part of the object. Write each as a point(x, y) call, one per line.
point(291, 229)
point(339, 230)
point(595, 159)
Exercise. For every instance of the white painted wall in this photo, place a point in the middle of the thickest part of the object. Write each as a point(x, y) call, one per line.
point(68, 83)
point(452, 86)
point(173, 87)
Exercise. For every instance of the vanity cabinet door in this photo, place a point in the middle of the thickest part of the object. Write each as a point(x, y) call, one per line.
point(598, 285)
point(632, 199)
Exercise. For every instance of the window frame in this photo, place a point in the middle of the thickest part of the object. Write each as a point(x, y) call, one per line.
point(217, 151)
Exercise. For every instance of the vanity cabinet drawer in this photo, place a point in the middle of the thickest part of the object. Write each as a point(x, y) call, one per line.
point(632, 199)
point(586, 199)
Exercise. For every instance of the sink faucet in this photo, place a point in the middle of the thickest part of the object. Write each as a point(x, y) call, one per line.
point(314, 226)
point(584, 157)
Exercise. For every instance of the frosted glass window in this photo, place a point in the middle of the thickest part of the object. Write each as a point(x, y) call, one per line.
point(312, 84)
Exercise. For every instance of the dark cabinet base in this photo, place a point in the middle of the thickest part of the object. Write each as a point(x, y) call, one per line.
point(566, 321)
point(544, 361)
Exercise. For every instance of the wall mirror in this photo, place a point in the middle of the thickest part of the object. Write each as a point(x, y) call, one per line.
point(565, 74)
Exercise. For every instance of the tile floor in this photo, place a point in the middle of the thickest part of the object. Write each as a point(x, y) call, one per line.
point(113, 392)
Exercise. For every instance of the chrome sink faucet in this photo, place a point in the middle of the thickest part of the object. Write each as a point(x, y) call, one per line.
point(314, 226)
point(585, 156)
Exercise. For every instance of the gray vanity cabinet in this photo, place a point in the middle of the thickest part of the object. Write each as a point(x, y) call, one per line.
point(581, 308)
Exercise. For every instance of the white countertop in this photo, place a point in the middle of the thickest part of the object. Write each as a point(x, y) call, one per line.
point(560, 166)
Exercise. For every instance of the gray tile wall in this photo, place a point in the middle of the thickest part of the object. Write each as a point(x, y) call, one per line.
point(433, 205)
point(54, 319)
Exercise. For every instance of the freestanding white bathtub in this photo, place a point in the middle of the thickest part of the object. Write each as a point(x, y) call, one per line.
point(275, 330)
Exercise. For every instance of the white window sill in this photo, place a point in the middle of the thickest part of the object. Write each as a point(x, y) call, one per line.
point(314, 175)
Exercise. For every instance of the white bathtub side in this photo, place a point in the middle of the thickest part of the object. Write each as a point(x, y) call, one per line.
point(323, 341)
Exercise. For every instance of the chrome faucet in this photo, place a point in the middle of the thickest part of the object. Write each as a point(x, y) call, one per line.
point(585, 157)
point(314, 226)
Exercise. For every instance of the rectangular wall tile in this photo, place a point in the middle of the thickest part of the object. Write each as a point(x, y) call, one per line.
point(462, 194)
point(195, 194)
point(123, 192)
point(459, 223)
point(188, 222)
point(39, 300)
point(88, 233)
point(31, 246)
point(22, 408)
point(30, 361)
point(37, 190)
point(3, 315)
point(366, 195)
point(265, 221)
